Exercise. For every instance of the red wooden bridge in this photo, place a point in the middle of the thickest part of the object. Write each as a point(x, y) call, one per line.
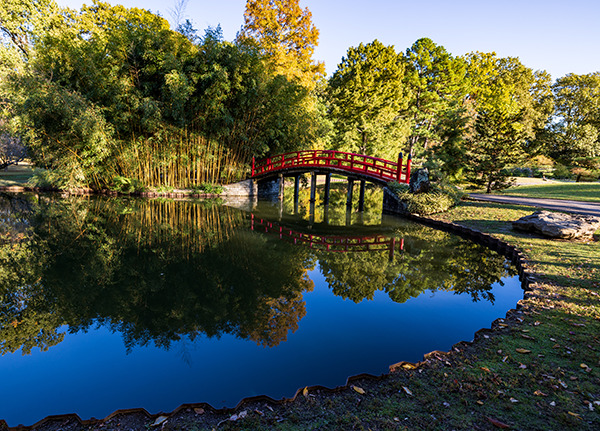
point(328, 161)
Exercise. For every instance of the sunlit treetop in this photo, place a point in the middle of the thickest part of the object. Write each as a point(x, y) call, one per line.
point(286, 35)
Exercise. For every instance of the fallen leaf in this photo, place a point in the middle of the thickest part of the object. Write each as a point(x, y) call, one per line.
point(235, 417)
point(240, 415)
point(159, 420)
point(513, 400)
point(408, 392)
point(359, 390)
point(540, 394)
point(258, 412)
point(522, 366)
point(199, 411)
point(480, 403)
point(574, 414)
point(519, 350)
point(305, 392)
point(486, 369)
point(497, 423)
point(408, 366)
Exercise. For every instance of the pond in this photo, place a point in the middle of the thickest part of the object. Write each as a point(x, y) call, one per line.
point(110, 303)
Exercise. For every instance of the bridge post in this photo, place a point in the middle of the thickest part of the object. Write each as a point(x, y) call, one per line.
point(399, 171)
point(313, 186)
point(281, 181)
point(349, 195)
point(327, 188)
point(296, 193)
point(408, 163)
point(253, 164)
point(392, 248)
point(361, 196)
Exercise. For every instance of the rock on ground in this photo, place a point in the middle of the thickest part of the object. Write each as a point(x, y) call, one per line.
point(558, 225)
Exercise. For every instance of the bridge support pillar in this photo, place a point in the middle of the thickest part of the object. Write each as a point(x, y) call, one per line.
point(313, 186)
point(361, 196)
point(296, 193)
point(349, 195)
point(281, 181)
point(327, 188)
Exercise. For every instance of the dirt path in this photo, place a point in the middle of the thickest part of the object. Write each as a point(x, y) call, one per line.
point(588, 208)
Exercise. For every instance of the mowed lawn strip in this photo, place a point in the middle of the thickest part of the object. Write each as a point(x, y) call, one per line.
point(15, 175)
point(584, 192)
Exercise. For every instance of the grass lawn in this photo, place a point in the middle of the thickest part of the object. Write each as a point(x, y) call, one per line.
point(538, 369)
point(586, 192)
point(15, 175)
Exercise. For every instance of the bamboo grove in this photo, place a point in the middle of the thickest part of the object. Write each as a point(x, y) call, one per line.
point(112, 97)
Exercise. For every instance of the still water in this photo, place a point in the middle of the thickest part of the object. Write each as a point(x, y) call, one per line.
point(110, 304)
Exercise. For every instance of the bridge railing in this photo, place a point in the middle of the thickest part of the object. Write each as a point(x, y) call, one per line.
point(353, 163)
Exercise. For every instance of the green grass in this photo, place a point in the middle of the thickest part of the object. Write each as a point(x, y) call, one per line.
point(585, 192)
point(15, 175)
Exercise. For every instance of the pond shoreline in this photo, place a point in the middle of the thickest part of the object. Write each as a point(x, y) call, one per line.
point(205, 414)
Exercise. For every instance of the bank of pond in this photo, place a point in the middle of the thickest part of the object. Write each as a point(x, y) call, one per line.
point(111, 303)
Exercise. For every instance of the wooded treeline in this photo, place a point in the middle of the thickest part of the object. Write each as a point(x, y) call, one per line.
point(110, 97)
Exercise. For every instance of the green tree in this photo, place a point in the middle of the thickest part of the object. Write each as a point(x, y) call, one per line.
point(436, 83)
point(287, 37)
point(366, 95)
point(23, 21)
point(507, 106)
point(576, 130)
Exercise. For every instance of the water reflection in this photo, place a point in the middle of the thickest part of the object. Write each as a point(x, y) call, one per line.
point(161, 271)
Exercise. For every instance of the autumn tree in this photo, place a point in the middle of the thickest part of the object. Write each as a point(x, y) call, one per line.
point(286, 35)
point(366, 95)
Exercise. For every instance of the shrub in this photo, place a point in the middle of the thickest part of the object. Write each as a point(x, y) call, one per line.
point(562, 172)
point(440, 197)
point(126, 185)
point(208, 188)
point(44, 179)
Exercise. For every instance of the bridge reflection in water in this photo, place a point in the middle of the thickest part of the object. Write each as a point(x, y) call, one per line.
point(324, 242)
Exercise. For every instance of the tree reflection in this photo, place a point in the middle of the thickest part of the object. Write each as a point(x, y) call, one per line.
point(153, 271)
point(162, 271)
point(430, 260)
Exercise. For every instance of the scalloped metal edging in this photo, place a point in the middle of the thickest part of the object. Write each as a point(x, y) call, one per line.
point(507, 250)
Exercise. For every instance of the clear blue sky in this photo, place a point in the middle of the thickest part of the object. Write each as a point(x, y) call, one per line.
point(557, 36)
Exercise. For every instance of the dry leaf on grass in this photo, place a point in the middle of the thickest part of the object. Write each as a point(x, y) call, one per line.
point(359, 390)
